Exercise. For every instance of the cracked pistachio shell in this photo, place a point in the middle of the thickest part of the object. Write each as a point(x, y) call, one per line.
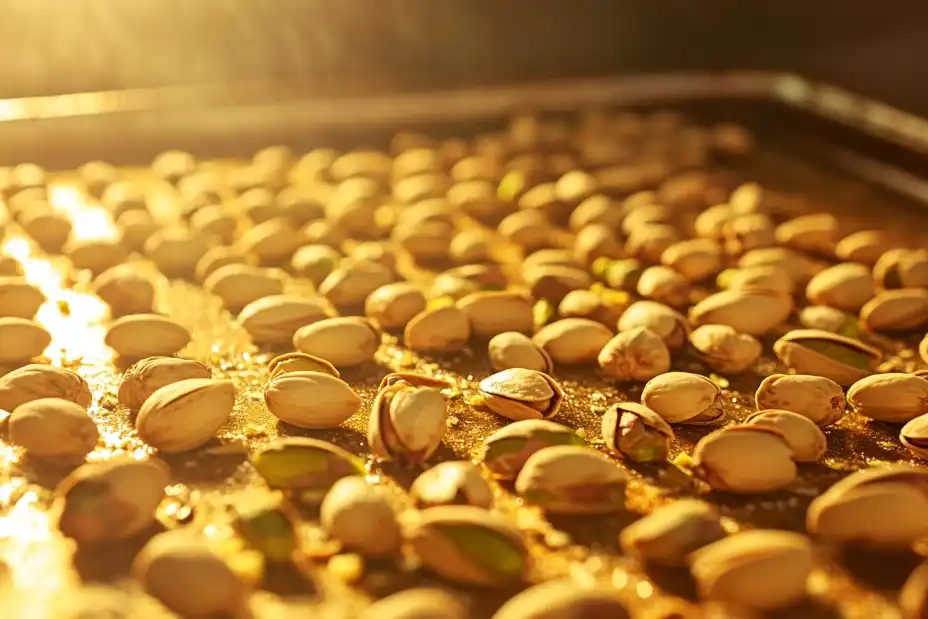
point(725, 350)
point(745, 460)
point(517, 350)
point(664, 285)
point(754, 312)
point(636, 432)
point(864, 247)
point(110, 500)
point(573, 341)
point(695, 259)
point(804, 437)
point(564, 600)
point(350, 285)
point(813, 233)
point(148, 375)
point(186, 414)
point(470, 545)
point(829, 319)
point(798, 265)
point(669, 324)
point(452, 483)
point(35, 381)
point(343, 341)
point(669, 534)
point(505, 451)
point(913, 597)
point(893, 397)
point(570, 479)
point(21, 339)
point(853, 511)
point(846, 286)
point(682, 397)
point(638, 354)
point(905, 309)
point(758, 570)
point(392, 306)
point(843, 360)
point(519, 394)
point(361, 517)
point(407, 422)
point(492, 312)
point(312, 400)
point(299, 362)
point(914, 436)
point(298, 463)
point(817, 398)
point(269, 529)
point(417, 604)
point(437, 330)
point(760, 277)
point(414, 380)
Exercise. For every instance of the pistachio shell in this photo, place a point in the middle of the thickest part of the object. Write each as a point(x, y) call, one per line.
point(299, 362)
point(913, 598)
point(516, 350)
point(185, 414)
point(667, 323)
point(269, 529)
point(754, 312)
point(19, 298)
point(21, 339)
point(312, 400)
point(437, 330)
point(300, 463)
point(682, 397)
point(315, 262)
point(573, 340)
point(638, 354)
point(125, 290)
point(843, 360)
point(407, 422)
point(343, 341)
point(276, 318)
point(905, 309)
point(760, 277)
point(799, 266)
point(175, 252)
point(563, 599)
point(745, 460)
point(240, 284)
point(803, 436)
point(493, 312)
point(505, 451)
point(664, 285)
point(569, 479)
point(150, 374)
point(829, 319)
point(817, 232)
point(392, 306)
point(923, 348)
point(53, 428)
point(817, 398)
point(452, 483)
point(350, 286)
point(695, 259)
point(636, 432)
point(864, 247)
point(416, 604)
point(846, 286)
point(669, 534)
point(725, 350)
point(360, 517)
point(892, 397)
point(914, 436)
point(35, 381)
point(519, 394)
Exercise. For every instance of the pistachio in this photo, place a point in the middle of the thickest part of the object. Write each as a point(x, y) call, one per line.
point(573, 340)
point(569, 479)
point(896, 310)
point(146, 335)
point(597, 241)
point(648, 243)
point(135, 228)
point(756, 570)
point(846, 286)
point(173, 165)
point(214, 222)
point(96, 255)
point(125, 289)
point(302, 464)
point(10, 266)
point(803, 436)
point(618, 274)
point(670, 534)
point(240, 284)
point(596, 209)
point(311, 400)
point(54, 429)
point(424, 240)
point(529, 229)
point(681, 397)
point(518, 393)
point(914, 436)
point(902, 268)
point(666, 323)
point(378, 252)
point(19, 298)
point(864, 247)
point(471, 246)
point(361, 163)
point(745, 460)
point(753, 198)
point(743, 233)
point(97, 176)
point(269, 529)
point(923, 348)
point(360, 517)
point(320, 233)
point(470, 545)
point(271, 242)
point(150, 374)
point(437, 330)
point(452, 483)
point(844, 513)
point(275, 319)
point(343, 341)
point(892, 397)
point(417, 604)
point(21, 339)
point(349, 286)
point(185, 415)
point(652, 214)
point(258, 204)
point(913, 597)
point(187, 576)
point(600, 304)
point(36, 381)
point(694, 259)
point(638, 354)
point(664, 285)
point(799, 266)
point(725, 350)
point(517, 350)
point(493, 312)
point(824, 318)
point(636, 432)
point(563, 599)
point(814, 233)
point(505, 451)
point(761, 277)
point(817, 398)
point(111, 499)
point(407, 419)
point(175, 251)
point(820, 353)
point(553, 282)
point(477, 198)
point(550, 257)
point(315, 262)
point(299, 362)
point(710, 223)
point(754, 312)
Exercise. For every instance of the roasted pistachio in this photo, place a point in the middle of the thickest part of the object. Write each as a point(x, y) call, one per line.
point(815, 233)
point(695, 259)
point(417, 604)
point(569, 479)
point(618, 274)
point(803, 436)
point(636, 432)
point(817, 398)
point(299, 362)
point(598, 303)
point(725, 350)
point(649, 242)
point(517, 350)
point(53, 429)
point(905, 309)
point(493, 312)
point(563, 599)
point(277, 318)
point(313, 400)
point(669, 534)
point(349, 286)
point(923, 348)
point(829, 319)
point(361, 517)
point(304, 465)
point(638, 354)
point(505, 451)
point(519, 394)
point(240, 284)
point(553, 282)
point(902, 268)
point(800, 267)
point(846, 286)
point(573, 340)
point(761, 277)
point(892, 397)
point(745, 460)
point(315, 262)
point(665, 322)
point(596, 209)
point(756, 570)
point(148, 375)
point(529, 229)
point(664, 285)
point(743, 233)
point(864, 247)
point(597, 241)
point(843, 360)
point(710, 224)
point(471, 246)
point(392, 306)
point(270, 529)
point(35, 381)
point(754, 312)
point(407, 420)
point(682, 397)
point(451, 483)
point(470, 545)
point(343, 341)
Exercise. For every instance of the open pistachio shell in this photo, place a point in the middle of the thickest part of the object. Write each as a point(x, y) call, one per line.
point(470, 545)
point(416, 380)
point(636, 432)
point(271, 530)
point(299, 362)
point(568, 479)
point(745, 460)
point(893, 397)
point(563, 599)
point(842, 359)
point(669, 534)
point(304, 464)
point(519, 394)
point(452, 483)
point(914, 435)
point(406, 422)
point(505, 451)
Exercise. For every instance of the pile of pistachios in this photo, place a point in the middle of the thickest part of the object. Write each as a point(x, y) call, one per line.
point(631, 245)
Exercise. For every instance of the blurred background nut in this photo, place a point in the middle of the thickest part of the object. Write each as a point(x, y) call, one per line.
point(437, 330)
point(148, 375)
point(53, 428)
point(240, 284)
point(569, 479)
point(416, 604)
point(682, 397)
point(95, 255)
point(175, 251)
point(573, 341)
point(803, 436)
point(451, 483)
point(315, 262)
point(518, 393)
point(553, 282)
point(695, 259)
point(725, 350)
point(600, 304)
point(596, 209)
point(393, 305)
point(636, 432)
point(634, 355)
point(798, 265)
point(893, 397)
point(275, 319)
point(313, 400)
point(597, 241)
point(864, 247)
point(50, 230)
point(360, 517)
point(846, 286)
point(21, 339)
point(710, 223)
point(517, 350)
point(505, 452)
point(843, 360)
point(743, 233)
point(923, 348)
point(378, 252)
point(913, 598)
point(305, 466)
point(745, 460)
point(529, 229)
point(349, 286)
point(669, 534)
point(664, 285)
point(817, 398)
point(214, 223)
point(648, 242)
point(271, 242)
point(754, 312)
point(343, 341)
point(761, 277)
point(19, 298)
point(824, 318)
point(901, 268)
point(817, 233)
point(665, 322)
point(125, 289)
point(471, 246)
point(146, 335)
point(905, 309)
point(563, 598)
point(493, 312)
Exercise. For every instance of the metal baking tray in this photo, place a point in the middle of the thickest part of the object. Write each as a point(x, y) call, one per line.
point(858, 158)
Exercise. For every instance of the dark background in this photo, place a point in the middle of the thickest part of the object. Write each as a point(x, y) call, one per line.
point(54, 46)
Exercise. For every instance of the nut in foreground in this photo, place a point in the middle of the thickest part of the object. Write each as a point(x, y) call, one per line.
point(312, 400)
point(638, 354)
point(505, 451)
point(563, 598)
point(146, 335)
point(304, 465)
point(452, 483)
point(519, 394)
point(54, 429)
point(270, 529)
point(148, 375)
point(745, 460)
point(185, 415)
point(669, 534)
point(636, 432)
point(568, 479)
point(804, 437)
point(470, 545)
point(360, 517)
point(893, 397)
point(725, 350)
point(913, 598)
point(841, 359)
point(682, 397)
point(408, 418)
point(818, 398)
point(35, 381)
point(517, 350)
